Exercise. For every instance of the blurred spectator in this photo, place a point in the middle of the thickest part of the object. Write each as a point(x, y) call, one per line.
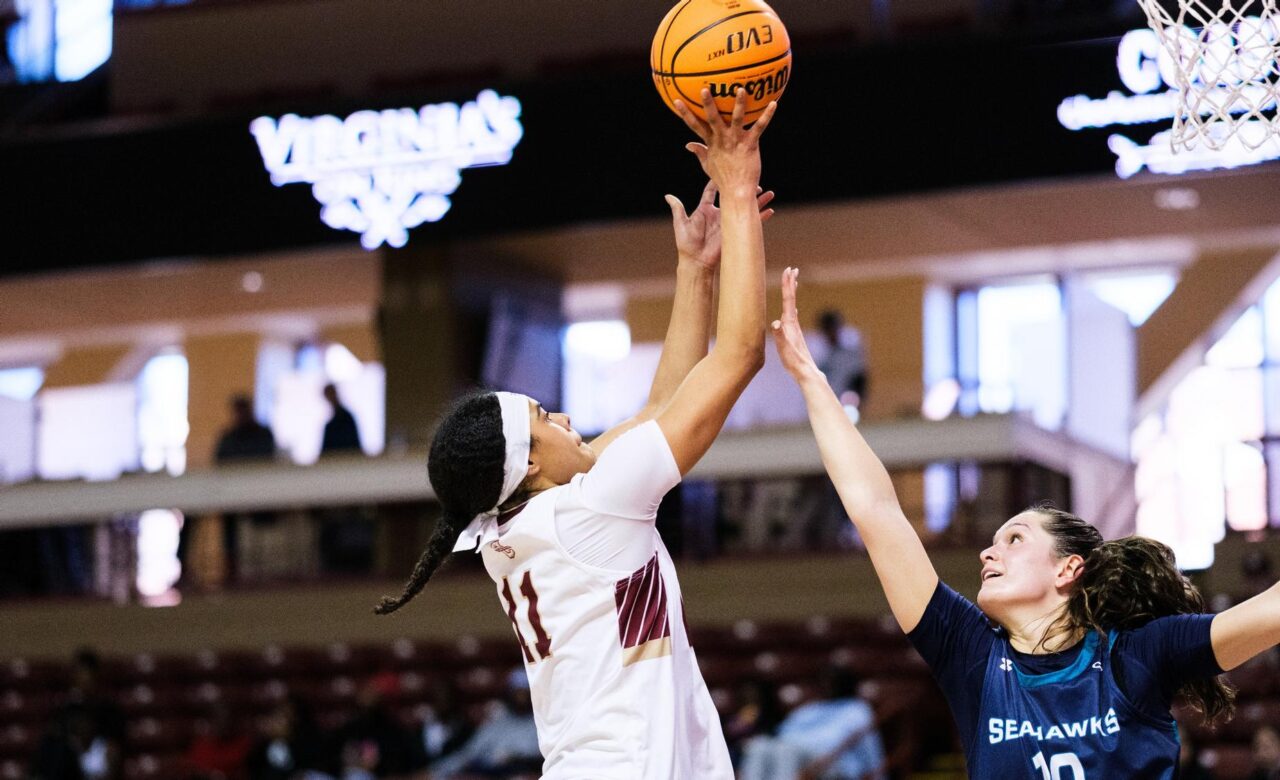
point(346, 534)
point(1266, 754)
point(220, 748)
point(1190, 767)
point(244, 440)
point(845, 363)
point(290, 744)
point(340, 433)
point(505, 745)
point(834, 738)
point(445, 728)
point(758, 713)
point(86, 737)
point(372, 740)
point(360, 759)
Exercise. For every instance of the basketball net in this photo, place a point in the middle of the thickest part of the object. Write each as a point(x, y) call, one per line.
point(1225, 56)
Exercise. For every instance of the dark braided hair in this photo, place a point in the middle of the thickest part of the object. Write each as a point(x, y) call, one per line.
point(1125, 584)
point(465, 467)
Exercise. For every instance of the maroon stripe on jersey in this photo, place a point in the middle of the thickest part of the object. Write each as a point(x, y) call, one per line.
point(511, 611)
point(641, 601)
point(544, 642)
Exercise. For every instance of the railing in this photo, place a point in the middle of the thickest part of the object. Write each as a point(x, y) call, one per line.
point(761, 493)
point(401, 477)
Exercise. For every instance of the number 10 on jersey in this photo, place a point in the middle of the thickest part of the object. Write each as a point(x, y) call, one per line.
point(542, 646)
point(1053, 769)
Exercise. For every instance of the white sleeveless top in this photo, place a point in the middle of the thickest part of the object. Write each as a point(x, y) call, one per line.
point(616, 688)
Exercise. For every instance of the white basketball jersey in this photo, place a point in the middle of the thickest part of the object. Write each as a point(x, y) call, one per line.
point(615, 685)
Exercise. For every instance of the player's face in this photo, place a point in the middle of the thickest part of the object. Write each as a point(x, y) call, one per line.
point(1019, 568)
point(558, 450)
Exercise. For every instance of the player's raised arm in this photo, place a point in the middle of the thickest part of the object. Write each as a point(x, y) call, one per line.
point(1246, 629)
point(731, 157)
point(697, 237)
point(905, 572)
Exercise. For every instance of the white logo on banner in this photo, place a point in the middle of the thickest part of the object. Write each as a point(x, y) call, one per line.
point(383, 173)
point(1147, 70)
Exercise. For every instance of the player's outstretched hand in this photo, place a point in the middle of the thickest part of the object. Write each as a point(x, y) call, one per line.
point(787, 334)
point(698, 233)
point(730, 151)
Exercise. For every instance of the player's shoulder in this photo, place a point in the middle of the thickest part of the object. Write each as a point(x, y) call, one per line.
point(948, 600)
point(1177, 629)
point(644, 434)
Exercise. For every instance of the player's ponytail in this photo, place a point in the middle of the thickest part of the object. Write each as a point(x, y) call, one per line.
point(1125, 584)
point(1128, 583)
point(465, 468)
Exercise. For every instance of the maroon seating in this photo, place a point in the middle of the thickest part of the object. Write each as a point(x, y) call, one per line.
point(17, 741)
point(484, 683)
point(783, 667)
point(141, 701)
point(470, 651)
point(155, 735)
point(1249, 716)
point(1257, 678)
point(24, 707)
point(151, 765)
point(1228, 762)
point(414, 655)
point(28, 676)
point(726, 670)
point(165, 697)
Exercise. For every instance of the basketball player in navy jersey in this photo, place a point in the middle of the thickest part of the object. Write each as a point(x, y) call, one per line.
point(1066, 667)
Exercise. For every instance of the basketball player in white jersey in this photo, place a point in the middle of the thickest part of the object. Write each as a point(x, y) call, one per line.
point(566, 529)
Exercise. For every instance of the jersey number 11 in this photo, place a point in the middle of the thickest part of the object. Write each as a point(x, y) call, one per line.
point(543, 645)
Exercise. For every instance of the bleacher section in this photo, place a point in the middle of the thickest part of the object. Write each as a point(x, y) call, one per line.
point(164, 697)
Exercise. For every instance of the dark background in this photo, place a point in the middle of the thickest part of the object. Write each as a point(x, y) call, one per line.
point(597, 146)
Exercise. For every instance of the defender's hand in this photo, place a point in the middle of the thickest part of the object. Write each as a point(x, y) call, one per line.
point(698, 233)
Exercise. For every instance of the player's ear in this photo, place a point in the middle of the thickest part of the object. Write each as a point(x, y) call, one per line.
point(1069, 570)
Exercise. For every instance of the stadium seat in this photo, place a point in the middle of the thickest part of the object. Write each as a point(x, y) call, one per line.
point(488, 651)
point(1228, 762)
point(152, 765)
point(155, 735)
point(24, 675)
point(17, 741)
point(16, 707)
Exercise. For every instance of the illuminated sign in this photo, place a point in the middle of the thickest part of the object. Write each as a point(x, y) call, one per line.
point(1147, 70)
point(53, 40)
point(383, 173)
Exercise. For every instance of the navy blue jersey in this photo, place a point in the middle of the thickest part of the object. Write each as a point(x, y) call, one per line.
point(1099, 709)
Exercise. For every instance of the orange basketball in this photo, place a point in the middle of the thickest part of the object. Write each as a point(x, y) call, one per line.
point(725, 46)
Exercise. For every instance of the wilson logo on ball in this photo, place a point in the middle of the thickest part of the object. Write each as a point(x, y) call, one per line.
point(758, 89)
point(725, 48)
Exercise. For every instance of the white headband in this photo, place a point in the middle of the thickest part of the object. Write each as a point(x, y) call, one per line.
point(515, 433)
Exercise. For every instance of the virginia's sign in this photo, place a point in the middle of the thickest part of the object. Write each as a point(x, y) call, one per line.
point(382, 173)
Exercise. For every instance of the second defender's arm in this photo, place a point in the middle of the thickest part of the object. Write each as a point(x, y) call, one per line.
point(905, 571)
